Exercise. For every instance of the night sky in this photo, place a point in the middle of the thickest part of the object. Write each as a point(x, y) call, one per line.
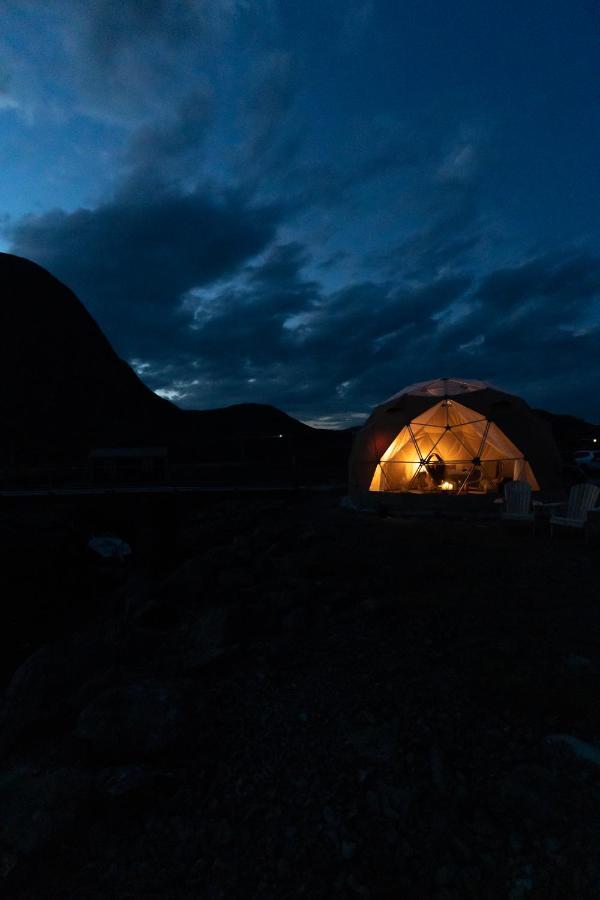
point(312, 204)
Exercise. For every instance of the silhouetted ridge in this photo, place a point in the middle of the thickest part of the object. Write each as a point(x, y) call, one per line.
point(64, 387)
point(249, 419)
point(65, 391)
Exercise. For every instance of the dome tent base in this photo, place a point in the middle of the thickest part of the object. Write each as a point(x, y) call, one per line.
point(416, 503)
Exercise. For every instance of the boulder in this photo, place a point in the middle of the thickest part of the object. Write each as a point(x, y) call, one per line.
point(48, 685)
point(37, 808)
point(136, 721)
point(377, 743)
point(174, 646)
point(123, 782)
point(206, 639)
point(226, 570)
point(187, 583)
point(528, 792)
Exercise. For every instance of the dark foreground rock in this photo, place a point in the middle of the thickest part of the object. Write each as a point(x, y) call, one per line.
point(52, 684)
point(338, 706)
point(137, 721)
point(38, 809)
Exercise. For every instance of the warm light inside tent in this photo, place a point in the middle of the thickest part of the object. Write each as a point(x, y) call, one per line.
point(449, 447)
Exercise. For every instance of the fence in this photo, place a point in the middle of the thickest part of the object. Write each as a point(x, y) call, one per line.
point(286, 474)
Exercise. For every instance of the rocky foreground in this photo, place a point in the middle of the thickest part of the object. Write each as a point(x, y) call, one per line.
point(299, 701)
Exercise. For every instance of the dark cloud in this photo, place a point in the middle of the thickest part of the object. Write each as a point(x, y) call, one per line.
point(245, 326)
point(447, 243)
point(172, 145)
point(214, 310)
point(376, 154)
point(133, 259)
point(315, 353)
point(110, 26)
point(119, 61)
point(276, 336)
point(538, 301)
point(269, 97)
point(534, 327)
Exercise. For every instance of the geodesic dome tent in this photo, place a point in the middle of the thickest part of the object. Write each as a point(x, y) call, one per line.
point(452, 435)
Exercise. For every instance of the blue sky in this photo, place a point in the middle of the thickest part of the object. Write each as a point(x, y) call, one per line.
point(312, 204)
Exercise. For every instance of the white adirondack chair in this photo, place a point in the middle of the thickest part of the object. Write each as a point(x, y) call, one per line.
point(517, 500)
point(582, 499)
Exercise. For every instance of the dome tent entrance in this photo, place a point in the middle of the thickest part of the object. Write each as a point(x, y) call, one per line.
point(450, 447)
point(454, 436)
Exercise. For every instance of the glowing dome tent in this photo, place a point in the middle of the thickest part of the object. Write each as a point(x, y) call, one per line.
point(452, 435)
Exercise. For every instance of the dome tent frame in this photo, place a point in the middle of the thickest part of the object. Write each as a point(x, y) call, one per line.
point(471, 453)
point(475, 434)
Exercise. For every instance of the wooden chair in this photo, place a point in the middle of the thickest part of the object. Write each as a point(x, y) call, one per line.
point(582, 499)
point(517, 500)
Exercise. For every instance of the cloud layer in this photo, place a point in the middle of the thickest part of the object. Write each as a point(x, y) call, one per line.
point(305, 205)
point(213, 311)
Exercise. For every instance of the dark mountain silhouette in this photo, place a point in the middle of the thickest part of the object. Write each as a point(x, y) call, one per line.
point(65, 390)
point(570, 432)
point(251, 419)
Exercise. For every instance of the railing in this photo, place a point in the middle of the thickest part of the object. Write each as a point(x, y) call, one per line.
point(207, 474)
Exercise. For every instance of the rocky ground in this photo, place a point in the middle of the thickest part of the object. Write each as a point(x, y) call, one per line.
point(295, 700)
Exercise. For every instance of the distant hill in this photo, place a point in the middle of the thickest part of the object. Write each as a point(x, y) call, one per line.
point(65, 390)
point(249, 419)
point(570, 432)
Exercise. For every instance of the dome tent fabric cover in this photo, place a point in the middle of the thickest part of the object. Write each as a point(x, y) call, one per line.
point(454, 435)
